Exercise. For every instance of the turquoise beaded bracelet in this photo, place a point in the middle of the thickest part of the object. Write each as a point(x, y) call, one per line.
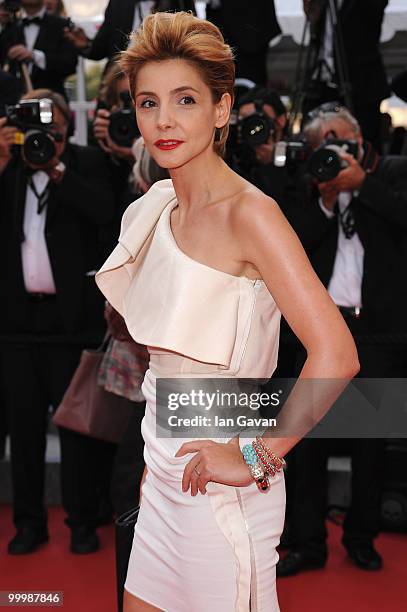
point(254, 464)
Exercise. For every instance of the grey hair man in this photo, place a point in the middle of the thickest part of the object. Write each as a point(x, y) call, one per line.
point(359, 221)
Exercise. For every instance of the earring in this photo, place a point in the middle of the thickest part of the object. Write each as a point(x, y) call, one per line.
point(218, 134)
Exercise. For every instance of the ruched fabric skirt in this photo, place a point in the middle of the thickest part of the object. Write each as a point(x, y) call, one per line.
point(208, 553)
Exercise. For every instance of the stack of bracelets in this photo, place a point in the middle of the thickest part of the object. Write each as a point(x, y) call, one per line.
point(262, 462)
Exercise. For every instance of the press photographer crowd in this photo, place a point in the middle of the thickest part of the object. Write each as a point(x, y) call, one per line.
point(322, 153)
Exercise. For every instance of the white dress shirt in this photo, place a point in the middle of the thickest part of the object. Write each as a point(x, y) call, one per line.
point(345, 285)
point(31, 35)
point(142, 9)
point(37, 271)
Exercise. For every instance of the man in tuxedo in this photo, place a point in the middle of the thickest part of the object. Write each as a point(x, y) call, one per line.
point(359, 220)
point(37, 40)
point(248, 28)
point(360, 22)
point(50, 309)
point(121, 18)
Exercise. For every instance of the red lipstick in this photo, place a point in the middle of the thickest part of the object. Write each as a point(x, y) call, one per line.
point(168, 145)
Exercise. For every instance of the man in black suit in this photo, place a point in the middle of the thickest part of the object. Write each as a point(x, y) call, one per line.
point(359, 220)
point(37, 40)
point(360, 22)
point(121, 18)
point(248, 28)
point(50, 309)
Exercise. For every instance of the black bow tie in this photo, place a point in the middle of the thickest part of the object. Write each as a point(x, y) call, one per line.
point(34, 20)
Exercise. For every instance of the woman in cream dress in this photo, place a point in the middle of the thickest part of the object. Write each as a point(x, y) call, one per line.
point(204, 267)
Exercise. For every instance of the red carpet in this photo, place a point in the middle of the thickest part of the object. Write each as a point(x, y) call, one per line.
point(88, 581)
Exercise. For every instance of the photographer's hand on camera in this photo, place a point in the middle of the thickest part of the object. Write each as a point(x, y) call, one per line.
point(329, 194)
point(7, 135)
point(55, 168)
point(349, 179)
point(101, 132)
point(265, 152)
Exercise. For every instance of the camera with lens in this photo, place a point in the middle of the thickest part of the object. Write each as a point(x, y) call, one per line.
point(123, 128)
point(323, 164)
point(245, 134)
point(34, 118)
point(257, 128)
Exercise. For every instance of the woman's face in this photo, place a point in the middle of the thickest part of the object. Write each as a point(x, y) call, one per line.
point(175, 112)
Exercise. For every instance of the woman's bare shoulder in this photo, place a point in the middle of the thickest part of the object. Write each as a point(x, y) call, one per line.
point(252, 206)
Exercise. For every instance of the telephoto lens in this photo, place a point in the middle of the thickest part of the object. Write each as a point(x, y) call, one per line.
point(326, 162)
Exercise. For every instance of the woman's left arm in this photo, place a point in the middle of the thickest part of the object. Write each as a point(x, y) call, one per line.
point(269, 243)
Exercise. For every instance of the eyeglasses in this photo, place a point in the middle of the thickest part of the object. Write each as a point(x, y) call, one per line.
point(327, 107)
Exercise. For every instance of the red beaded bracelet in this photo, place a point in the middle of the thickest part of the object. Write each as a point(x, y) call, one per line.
point(269, 468)
point(277, 462)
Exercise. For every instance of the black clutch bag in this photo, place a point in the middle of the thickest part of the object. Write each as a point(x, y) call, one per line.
point(124, 531)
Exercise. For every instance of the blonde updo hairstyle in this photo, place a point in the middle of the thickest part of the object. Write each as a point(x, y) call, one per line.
point(164, 36)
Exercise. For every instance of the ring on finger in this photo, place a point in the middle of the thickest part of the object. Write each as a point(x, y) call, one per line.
point(197, 471)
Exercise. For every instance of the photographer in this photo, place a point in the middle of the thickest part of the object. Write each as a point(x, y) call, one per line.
point(262, 119)
point(360, 24)
point(358, 253)
point(115, 131)
point(115, 140)
point(248, 29)
point(55, 198)
point(37, 40)
point(121, 18)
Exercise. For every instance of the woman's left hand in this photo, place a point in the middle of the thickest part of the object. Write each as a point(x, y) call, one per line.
point(215, 462)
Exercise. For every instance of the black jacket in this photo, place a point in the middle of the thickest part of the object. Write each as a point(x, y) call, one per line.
point(248, 26)
point(381, 223)
point(361, 24)
point(77, 209)
point(112, 36)
point(61, 56)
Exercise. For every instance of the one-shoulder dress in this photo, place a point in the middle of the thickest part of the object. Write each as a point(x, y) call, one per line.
point(203, 553)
